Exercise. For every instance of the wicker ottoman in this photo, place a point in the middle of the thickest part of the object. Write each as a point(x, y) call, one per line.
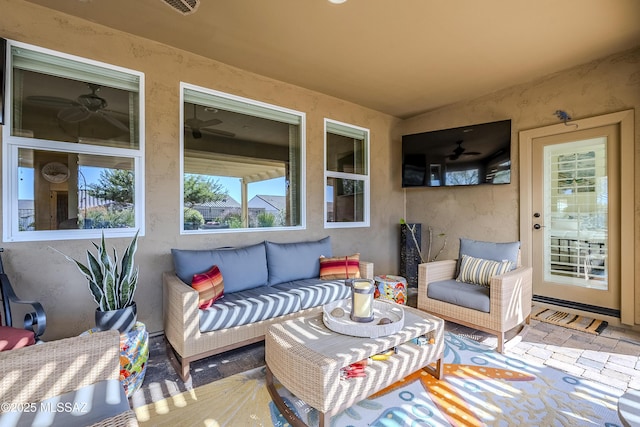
point(306, 358)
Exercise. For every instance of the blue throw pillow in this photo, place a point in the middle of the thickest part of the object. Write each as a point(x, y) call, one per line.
point(242, 268)
point(296, 261)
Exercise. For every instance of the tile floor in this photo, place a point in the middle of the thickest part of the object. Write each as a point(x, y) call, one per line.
point(611, 358)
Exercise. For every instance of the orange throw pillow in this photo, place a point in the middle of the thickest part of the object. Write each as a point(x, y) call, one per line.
point(347, 267)
point(209, 285)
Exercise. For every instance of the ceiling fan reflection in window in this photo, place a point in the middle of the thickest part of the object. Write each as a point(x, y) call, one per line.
point(197, 126)
point(461, 151)
point(84, 107)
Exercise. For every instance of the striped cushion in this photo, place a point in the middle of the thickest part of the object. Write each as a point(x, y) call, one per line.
point(347, 267)
point(209, 285)
point(480, 271)
point(314, 292)
point(248, 306)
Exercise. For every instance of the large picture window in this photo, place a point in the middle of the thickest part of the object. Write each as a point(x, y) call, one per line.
point(72, 147)
point(346, 175)
point(243, 164)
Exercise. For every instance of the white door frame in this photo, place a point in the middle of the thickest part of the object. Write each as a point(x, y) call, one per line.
point(625, 120)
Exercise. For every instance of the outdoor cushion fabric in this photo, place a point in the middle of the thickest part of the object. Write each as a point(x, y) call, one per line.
point(480, 271)
point(242, 268)
point(12, 338)
point(294, 261)
point(210, 287)
point(460, 293)
point(85, 406)
point(314, 292)
point(248, 306)
point(346, 267)
point(507, 251)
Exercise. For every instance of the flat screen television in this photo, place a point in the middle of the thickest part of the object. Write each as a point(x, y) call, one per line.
point(467, 155)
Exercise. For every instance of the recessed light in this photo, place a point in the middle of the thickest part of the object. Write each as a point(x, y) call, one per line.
point(337, 1)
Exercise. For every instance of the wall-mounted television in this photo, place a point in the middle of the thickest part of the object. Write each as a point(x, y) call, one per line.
point(467, 155)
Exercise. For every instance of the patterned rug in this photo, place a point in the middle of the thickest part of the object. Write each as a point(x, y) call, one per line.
point(568, 320)
point(480, 387)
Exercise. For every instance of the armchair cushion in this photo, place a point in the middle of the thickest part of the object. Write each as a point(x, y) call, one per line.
point(490, 250)
point(11, 338)
point(479, 271)
point(461, 294)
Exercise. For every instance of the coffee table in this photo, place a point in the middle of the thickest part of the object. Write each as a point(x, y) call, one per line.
point(306, 357)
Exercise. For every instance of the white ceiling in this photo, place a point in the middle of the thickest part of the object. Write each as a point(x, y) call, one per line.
point(401, 57)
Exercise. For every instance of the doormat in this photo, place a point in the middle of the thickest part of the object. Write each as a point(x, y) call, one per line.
point(569, 320)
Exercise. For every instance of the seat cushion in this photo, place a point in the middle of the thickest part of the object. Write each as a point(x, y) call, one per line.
point(12, 338)
point(460, 293)
point(85, 406)
point(315, 292)
point(295, 261)
point(248, 306)
point(242, 268)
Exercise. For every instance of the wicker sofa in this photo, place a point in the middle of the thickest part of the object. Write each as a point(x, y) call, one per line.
point(263, 284)
point(74, 381)
point(498, 307)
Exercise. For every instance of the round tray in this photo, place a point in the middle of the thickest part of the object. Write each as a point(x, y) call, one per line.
point(344, 325)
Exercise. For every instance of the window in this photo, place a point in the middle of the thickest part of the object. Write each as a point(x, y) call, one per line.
point(346, 175)
point(72, 147)
point(242, 164)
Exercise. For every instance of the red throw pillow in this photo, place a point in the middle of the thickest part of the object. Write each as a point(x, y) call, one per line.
point(11, 338)
point(346, 267)
point(209, 285)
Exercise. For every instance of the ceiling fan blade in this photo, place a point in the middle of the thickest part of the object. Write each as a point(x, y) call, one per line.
point(52, 101)
point(115, 122)
point(212, 122)
point(219, 132)
point(471, 153)
point(74, 114)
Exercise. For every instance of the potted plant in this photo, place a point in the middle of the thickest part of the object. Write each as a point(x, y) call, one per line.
point(112, 286)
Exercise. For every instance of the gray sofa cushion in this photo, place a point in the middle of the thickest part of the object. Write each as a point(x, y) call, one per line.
point(85, 406)
point(294, 261)
point(248, 306)
point(463, 294)
point(314, 292)
point(241, 268)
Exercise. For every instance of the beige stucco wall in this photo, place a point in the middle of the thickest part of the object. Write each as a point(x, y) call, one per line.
point(39, 273)
point(491, 213)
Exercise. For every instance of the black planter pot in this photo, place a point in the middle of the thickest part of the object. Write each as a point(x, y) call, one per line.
point(122, 319)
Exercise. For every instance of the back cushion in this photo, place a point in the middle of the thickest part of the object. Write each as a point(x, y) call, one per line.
point(242, 268)
point(295, 261)
point(489, 250)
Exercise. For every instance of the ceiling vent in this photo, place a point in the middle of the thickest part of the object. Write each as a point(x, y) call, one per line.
point(184, 7)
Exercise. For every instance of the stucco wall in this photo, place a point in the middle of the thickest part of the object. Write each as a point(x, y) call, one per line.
point(491, 213)
point(39, 273)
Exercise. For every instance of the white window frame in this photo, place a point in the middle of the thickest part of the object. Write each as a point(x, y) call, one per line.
point(276, 109)
point(353, 176)
point(12, 144)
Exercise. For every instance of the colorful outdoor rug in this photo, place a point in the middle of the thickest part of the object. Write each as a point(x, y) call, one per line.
point(480, 387)
point(568, 320)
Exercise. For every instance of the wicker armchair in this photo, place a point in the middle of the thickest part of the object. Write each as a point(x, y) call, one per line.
point(510, 299)
point(43, 371)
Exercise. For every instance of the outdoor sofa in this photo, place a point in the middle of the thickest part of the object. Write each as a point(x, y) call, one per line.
point(265, 283)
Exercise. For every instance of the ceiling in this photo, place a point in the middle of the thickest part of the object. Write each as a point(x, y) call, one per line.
point(400, 57)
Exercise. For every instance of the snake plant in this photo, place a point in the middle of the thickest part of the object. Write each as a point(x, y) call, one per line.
point(111, 286)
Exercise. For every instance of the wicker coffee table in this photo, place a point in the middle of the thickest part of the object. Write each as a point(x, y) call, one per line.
point(306, 358)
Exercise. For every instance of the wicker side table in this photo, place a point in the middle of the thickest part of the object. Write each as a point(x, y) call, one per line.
point(306, 358)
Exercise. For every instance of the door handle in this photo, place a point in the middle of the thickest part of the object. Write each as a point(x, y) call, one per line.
point(537, 226)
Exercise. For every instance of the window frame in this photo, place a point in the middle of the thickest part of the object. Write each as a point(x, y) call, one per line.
point(366, 177)
point(261, 105)
point(11, 144)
